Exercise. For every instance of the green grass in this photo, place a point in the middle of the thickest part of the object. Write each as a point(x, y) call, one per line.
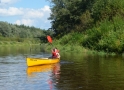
point(76, 49)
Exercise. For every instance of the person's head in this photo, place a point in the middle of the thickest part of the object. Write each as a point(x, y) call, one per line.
point(54, 49)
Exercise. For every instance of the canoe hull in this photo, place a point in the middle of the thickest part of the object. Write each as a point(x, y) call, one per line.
point(41, 61)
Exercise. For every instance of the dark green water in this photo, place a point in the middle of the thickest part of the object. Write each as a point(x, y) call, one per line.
point(77, 71)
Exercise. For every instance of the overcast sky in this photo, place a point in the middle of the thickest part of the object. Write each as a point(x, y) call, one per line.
point(28, 12)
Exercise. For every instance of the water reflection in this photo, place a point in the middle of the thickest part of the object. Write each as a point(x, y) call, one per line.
point(49, 73)
point(15, 50)
point(93, 73)
point(43, 68)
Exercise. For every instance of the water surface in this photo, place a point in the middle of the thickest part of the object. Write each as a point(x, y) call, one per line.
point(74, 72)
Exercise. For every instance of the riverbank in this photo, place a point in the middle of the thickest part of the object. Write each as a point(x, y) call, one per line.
point(63, 48)
point(14, 43)
point(75, 49)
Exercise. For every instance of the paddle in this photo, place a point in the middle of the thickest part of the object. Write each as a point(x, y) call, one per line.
point(49, 39)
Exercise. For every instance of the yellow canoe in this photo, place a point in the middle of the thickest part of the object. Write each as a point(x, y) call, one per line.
point(41, 61)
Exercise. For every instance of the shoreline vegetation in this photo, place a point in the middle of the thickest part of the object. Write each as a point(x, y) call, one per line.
point(97, 25)
point(77, 49)
point(77, 26)
point(70, 48)
point(14, 43)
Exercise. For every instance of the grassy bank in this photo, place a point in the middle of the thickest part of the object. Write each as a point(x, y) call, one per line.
point(75, 49)
point(68, 47)
point(15, 43)
point(105, 37)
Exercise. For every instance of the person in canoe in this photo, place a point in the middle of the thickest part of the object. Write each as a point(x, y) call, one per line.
point(55, 53)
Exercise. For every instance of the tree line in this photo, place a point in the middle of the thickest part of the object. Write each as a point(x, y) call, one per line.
point(79, 15)
point(98, 24)
point(14, 32)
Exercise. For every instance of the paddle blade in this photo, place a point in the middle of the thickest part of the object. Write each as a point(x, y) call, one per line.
point(49, 39)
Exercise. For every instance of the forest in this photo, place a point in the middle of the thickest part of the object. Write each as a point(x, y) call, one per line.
point(93, 24)
point(21, 33)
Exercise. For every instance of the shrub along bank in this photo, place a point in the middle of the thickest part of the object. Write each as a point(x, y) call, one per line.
point(107, 37)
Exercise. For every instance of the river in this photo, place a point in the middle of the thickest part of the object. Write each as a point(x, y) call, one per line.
point(76, 71)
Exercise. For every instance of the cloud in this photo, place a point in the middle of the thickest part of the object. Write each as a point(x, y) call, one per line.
point(26, 16)
point(32, 13)
point(39, 13)
point(25, 13)
point(6, 3)
point(46, 8)
point(11, 11)
point(27, 22)
point(33, 17)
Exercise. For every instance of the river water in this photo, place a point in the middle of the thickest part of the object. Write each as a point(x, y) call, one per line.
point(76, 71)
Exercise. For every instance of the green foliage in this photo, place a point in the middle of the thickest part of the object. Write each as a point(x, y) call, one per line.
point(21, 33)
point(5, 29)
point(94, 24)
point(65, 39)
point(108, 37)
point(79, 15)
point(65, 14)
point(114, 39)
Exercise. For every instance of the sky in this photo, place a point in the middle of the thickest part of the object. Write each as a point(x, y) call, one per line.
point(28, 12)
